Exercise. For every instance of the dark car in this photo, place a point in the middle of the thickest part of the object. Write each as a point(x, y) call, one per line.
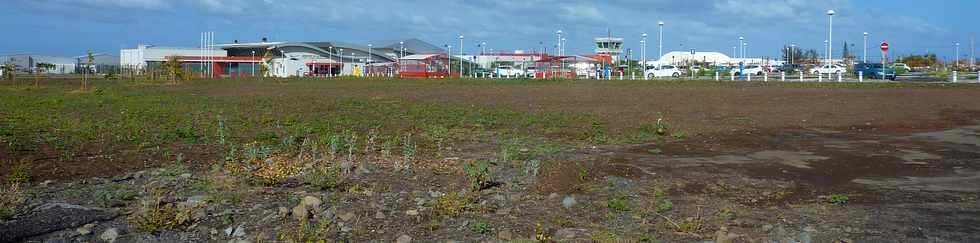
point(790, 68)
point(874, 71)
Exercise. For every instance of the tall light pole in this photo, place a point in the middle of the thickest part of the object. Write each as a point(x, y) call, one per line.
point(826, 51)
point(449, 54)
point(558, 49)
point(461, 56)
point(865, 58)
point(830, 43)
point(792, 51)
point(741, 52)
point(957, 56)
point(643, 53)
point(660, 45)
point(734, 49)
point(745, 49)
point(342, 64)
point(253, 64)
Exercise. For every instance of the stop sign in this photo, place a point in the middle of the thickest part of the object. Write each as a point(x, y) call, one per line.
point(884, 46)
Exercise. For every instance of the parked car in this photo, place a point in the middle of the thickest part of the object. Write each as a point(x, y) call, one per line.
point(874, 71)
point(508, 71)
point(835, 69)
point(904, 66)
point(790, 68)
point(749, 69)
point(663, 71)
point(530, 72)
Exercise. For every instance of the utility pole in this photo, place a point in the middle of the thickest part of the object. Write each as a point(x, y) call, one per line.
point(865, 58)
point(830, 44)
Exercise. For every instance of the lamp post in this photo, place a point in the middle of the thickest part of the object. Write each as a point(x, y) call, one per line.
point(865, 58)
point(643, 53)
point(957, 56)
point(558, 51)
point(342, 64)
point(792, 52)
point(826, 51)
point(253, 64)
point(745, 49)
point(741, 50)
point(460, 54)
point(830, 43)
point(449, 54)
point(660, 54)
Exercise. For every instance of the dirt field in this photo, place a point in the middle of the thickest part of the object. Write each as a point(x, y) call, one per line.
point(569, 161)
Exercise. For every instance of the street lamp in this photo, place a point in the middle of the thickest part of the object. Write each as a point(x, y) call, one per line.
point(826, 51)
point(253, 64)
point(830, 43)
point(745, 49)
point(643, 53)
point(558, 51)
point(792, 52)
point(865, 58)
point(449, 66)
point(741, 50)
point(957, 56)
point(660, 54)
point(342, 64)
point(461, 55)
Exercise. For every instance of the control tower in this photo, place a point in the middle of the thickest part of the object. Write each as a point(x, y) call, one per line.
point(611, 46)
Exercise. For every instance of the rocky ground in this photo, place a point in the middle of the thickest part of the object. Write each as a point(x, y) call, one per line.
point(800, 186)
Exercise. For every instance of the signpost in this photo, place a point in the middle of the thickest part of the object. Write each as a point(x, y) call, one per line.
point(884, 51)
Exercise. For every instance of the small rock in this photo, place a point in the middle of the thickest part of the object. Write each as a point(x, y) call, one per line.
point(330, 212)
point(412, 212)
point(311, 202)
point(185, 175)
point(810, 229)
point(346, 228)
point(552, 196)
point(568, 202)
point(194, 201)
point(499, 197)
point(723, 236)
point(46, 182)
point(86, 229)
point(110, 235)
point(404, 239)
point(300, 212)
point(346, 216)
point(565, 233)
point(282, 212)
point(435, 194)
point(379, 215)
point(767, 227)
point(505, 235)
point(239, 241)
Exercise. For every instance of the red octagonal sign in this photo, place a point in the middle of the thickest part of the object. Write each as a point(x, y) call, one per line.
point(884, 46)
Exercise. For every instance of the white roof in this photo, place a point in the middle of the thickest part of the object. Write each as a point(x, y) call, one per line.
point(419, 56)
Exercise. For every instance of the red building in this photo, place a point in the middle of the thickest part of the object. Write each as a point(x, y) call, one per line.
point(424, 66)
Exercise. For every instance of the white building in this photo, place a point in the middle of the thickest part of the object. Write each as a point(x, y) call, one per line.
point(611, 46)
point(144, 56)
point(713, 58)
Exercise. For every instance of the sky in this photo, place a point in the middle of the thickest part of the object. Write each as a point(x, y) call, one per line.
point(71, 27)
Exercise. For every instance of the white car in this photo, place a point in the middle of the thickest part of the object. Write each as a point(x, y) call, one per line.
point(508, 71)
point(750, 69)
point(897, 66)
point(663, 71)
point(835, 69)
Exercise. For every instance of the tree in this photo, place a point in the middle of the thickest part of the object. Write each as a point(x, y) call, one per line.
point(846, 53)
point(792, 54)
point(8, 70)
point(86, 68)
point(40, 68)
point(174, 69)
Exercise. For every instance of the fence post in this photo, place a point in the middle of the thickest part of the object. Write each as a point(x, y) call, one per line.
point(782, 76)
point(766, 78)
point(819, 77)
point(860, 76)
point(840, 77)
point(749, 77)
point(801, 76)
point(954, 76)
point(732, 75)
point(717, 76)
point(978, 76)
